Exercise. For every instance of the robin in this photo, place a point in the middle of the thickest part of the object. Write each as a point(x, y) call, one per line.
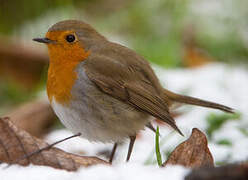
point(103, 90)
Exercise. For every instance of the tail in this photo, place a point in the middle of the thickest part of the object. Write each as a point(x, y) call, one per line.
point(195, 101)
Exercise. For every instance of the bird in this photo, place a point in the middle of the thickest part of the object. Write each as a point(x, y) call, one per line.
point(104, 90)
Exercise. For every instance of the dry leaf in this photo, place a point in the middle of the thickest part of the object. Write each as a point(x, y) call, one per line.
point(16, 143)
point(35, 117)
point(193, 153)
point(193, 56)
point(227, 172)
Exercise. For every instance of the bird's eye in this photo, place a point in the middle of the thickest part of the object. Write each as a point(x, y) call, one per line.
point(70, 38)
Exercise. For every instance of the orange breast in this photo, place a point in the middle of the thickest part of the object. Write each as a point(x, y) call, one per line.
point(61, 72)
point(60, 82)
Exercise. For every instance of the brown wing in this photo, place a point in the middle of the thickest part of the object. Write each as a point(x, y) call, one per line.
point(130, 83)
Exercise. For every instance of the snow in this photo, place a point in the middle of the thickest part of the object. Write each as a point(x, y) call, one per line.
point(216, 82)
point(99, 172)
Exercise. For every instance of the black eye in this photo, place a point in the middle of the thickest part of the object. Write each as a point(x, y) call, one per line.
point(70, 38)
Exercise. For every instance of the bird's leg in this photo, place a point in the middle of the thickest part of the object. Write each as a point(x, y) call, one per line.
point(112, 153)
point(130, 148)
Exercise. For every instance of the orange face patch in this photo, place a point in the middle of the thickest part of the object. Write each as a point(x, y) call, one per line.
point(64, 58)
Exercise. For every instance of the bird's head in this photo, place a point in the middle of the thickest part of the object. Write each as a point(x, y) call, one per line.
point(70, 40)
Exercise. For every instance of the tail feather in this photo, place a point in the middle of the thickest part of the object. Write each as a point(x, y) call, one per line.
point(195, 101)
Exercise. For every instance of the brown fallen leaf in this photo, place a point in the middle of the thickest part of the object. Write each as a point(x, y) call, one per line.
point(192, 153)
point(194, 56)
point(34, 117)
point(227, 172)
point(16, 143)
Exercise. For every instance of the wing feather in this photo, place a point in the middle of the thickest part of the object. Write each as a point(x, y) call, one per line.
point(129, 85)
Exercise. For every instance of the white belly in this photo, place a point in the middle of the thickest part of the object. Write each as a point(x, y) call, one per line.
point(100, 126)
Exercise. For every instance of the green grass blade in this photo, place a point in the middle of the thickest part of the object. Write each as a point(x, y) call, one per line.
point(158, 154)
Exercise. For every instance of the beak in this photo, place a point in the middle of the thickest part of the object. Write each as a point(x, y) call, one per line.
point(43, 40)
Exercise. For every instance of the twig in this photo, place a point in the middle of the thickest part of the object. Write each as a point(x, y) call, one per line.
point(42, 149)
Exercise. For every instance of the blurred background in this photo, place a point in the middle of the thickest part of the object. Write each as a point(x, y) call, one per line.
point(206, 37)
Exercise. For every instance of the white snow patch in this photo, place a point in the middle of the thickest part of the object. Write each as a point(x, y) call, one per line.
point(99, 172)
